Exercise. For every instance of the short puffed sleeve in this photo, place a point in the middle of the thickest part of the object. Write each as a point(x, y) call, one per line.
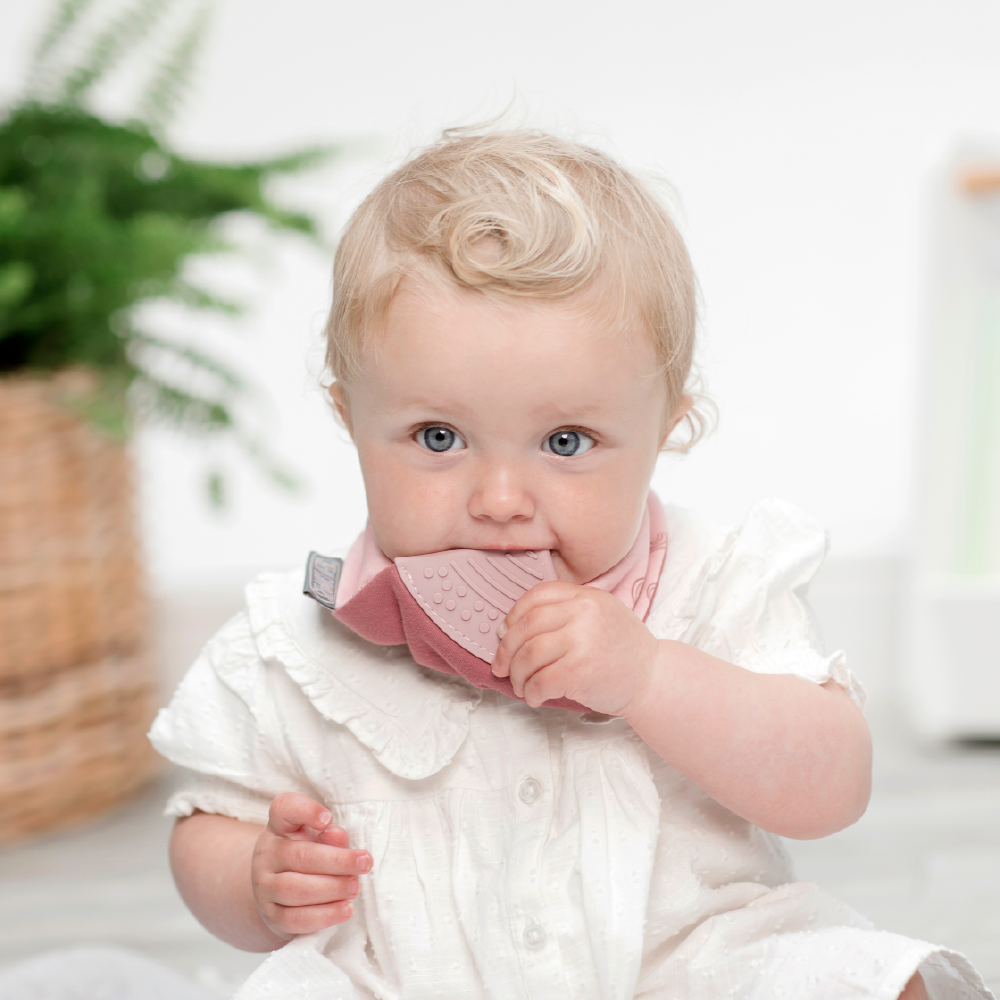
point(220, 728)
point(741, 595)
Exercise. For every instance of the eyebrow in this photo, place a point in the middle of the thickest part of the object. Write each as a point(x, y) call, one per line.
point(427, 403)
point(544, 410)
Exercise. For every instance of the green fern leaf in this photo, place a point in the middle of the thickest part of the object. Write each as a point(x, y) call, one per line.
point(66, 14)
point(172, 78)
point(123, 34)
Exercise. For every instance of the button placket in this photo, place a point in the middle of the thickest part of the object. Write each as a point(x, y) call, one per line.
point(529, 790)
point(534, 937)
point(533, 802)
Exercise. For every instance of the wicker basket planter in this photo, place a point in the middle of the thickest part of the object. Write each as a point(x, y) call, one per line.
point(76, 678)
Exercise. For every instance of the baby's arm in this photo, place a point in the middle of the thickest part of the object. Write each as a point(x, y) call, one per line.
point(257, 887)
point(788, 755)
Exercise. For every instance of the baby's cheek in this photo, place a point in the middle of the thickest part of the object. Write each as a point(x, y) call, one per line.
point(596, 530)
point(410, 520)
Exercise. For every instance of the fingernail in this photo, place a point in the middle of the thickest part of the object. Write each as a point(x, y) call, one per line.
point(353, 887)
point(348, 910)
point(502, 629)
point(364, 862)
point(325, 818)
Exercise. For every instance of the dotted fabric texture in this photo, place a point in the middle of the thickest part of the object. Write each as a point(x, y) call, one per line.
point(530, 853)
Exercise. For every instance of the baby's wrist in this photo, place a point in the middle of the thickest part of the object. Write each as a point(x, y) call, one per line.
point(648, 691)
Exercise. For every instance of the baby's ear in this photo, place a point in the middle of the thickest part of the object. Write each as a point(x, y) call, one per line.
point(341, 405)
point(675, 416)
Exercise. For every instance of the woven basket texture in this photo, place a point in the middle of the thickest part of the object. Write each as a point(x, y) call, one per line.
point(76, 678)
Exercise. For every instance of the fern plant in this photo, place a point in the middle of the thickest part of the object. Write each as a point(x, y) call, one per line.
point(99, 216)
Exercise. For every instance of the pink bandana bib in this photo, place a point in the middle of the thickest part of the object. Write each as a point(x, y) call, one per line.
point(446, 606)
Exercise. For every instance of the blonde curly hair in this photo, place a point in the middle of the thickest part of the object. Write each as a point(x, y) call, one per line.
point(525, 214)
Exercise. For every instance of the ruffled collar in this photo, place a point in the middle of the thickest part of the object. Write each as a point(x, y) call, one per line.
point(412, 719)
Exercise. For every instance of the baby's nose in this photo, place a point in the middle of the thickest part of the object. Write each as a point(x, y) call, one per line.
point(501, 496)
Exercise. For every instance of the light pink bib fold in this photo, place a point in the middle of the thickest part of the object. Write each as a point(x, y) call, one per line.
point(446, 606)
point(633, 579)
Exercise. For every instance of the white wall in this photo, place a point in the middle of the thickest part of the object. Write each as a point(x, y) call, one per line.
point(801, 139)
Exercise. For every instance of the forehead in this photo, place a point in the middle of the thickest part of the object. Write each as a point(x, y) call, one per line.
point(432, 314)
point(460, 353)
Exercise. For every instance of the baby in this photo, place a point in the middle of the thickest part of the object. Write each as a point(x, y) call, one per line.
point(542, 738)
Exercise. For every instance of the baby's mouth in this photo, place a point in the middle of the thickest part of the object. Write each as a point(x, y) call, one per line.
point(563, 572)
point(511, 548)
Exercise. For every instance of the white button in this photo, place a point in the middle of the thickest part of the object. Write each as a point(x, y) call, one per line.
point(534, 937)
point(529, 790)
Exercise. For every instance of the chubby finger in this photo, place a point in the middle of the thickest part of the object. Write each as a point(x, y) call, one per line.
point(544, 685)
point(535, 654)
point(540, 619)
point(294, 815)
point(292, 920)
point(550, 592)
point(334, 836)
point(318, 859)
point(296, 889)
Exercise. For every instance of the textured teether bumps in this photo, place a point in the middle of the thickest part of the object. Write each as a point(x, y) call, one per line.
point(398, 606)
point(468, 592)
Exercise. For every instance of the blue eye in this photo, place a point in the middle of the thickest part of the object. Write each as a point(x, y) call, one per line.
point(439, 439)
point(568, 443)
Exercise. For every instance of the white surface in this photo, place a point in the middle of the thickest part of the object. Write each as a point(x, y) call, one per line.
point(95, 973)
point(801, 138)
point(109, 883)
point(953, 653)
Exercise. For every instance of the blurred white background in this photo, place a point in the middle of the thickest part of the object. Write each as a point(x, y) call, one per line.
point(801, 139)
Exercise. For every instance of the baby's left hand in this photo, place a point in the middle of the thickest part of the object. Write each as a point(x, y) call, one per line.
point(568, 641)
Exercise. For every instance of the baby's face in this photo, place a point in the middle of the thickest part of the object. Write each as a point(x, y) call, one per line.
point(489, 424)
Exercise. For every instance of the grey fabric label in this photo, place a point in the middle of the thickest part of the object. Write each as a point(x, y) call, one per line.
point(323, 578)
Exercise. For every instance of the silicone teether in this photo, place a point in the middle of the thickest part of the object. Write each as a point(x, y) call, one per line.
point(468, 592)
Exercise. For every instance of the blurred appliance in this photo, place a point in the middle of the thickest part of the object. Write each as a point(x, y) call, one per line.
point(954, 642)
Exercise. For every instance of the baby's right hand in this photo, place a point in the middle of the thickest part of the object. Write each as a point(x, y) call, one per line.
point(303, 873)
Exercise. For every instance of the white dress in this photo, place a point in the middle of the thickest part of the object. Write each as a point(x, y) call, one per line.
point(534, 853)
